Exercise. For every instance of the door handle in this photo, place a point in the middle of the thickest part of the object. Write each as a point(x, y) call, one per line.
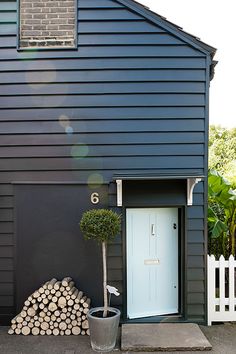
point(153, 230)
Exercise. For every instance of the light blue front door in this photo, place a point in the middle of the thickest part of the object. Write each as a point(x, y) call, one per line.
point(152, 262)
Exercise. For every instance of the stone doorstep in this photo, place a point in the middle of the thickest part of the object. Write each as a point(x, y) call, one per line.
point(163, 337)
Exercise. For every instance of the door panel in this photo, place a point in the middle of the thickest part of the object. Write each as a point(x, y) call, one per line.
point(152, 262)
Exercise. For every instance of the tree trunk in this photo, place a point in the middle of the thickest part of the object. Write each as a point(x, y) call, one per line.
point(104, 261)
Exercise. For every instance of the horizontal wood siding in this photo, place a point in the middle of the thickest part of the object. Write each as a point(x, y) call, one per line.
point(130, 99)
point(115, 256)
point(196, 248)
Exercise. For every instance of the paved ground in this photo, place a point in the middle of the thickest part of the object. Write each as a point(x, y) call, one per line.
point(222, 337)
point(163, 336)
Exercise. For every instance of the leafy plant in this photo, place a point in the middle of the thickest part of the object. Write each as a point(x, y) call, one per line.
point(221, 215)
point(102, 225)
point(222, 152)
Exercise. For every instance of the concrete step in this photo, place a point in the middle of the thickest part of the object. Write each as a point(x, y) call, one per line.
point(163, 337)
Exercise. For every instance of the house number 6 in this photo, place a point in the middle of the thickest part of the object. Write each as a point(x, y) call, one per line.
point(94, 198)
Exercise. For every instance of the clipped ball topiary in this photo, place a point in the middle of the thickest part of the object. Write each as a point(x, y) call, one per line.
point(101, 225)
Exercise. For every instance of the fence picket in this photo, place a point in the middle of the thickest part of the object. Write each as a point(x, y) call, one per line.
point(231, 284)
point(222, 284)
point(211, 287)
point(220, 307)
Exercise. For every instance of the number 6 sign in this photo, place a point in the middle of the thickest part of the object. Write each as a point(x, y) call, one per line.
point(94, 198)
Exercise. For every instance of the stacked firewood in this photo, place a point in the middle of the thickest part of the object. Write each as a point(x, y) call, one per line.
point(56, 308)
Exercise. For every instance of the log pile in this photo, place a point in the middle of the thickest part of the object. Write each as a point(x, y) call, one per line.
point(56, 308)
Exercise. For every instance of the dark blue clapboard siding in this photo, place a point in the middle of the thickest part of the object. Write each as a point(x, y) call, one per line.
point(108, 163)
point(195, 236)
point(6, 190)
point(99, 64)
point(8, 6)
point(6, 264)
point(109, 88)
point(99, 14)
point(99, 4)
point(195, 259)
point(104, 138)
point(195, 249)
point(78, 175)
point(6, 215)
point(99, 51)
point(101, 126)
point(139, 26)
point(104, 76)
point(5, 202)
point(6, 252)
point(108, 39)
point(102, 100)
point(195, 274)
point(78, 150)
point(45, 113)
point(132, 98)
point(6, 239)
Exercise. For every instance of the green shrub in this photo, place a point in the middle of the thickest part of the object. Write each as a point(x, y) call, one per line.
point(221, 216)
point(101, 225)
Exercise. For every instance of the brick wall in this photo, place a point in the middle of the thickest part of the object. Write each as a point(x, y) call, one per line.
point(47, 23)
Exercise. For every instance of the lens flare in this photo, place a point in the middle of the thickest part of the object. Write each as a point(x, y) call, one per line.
point(64, 121)
point(69, 130)
point(79, 151)
point(36, 78)
point(95, 180)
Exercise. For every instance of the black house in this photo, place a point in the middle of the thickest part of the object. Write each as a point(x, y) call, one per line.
point(103, 104)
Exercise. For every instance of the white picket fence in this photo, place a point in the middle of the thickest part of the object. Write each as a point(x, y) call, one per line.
point(222, 299)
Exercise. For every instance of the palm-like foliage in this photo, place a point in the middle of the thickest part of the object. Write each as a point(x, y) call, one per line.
point(221, 215)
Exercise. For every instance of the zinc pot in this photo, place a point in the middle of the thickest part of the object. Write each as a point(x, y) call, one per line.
point(103, 330)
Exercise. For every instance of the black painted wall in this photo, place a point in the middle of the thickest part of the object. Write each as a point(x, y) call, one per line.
point(133, 98)
point(49, 242)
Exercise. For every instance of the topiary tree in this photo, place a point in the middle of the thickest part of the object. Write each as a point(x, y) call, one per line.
point(102, 225)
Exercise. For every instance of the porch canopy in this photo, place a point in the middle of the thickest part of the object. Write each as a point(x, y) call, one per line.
point(191, 182)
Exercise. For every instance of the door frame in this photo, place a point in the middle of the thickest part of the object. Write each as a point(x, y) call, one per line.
point(182, 266)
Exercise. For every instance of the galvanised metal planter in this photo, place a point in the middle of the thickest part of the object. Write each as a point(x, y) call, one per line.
point(103, 330)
